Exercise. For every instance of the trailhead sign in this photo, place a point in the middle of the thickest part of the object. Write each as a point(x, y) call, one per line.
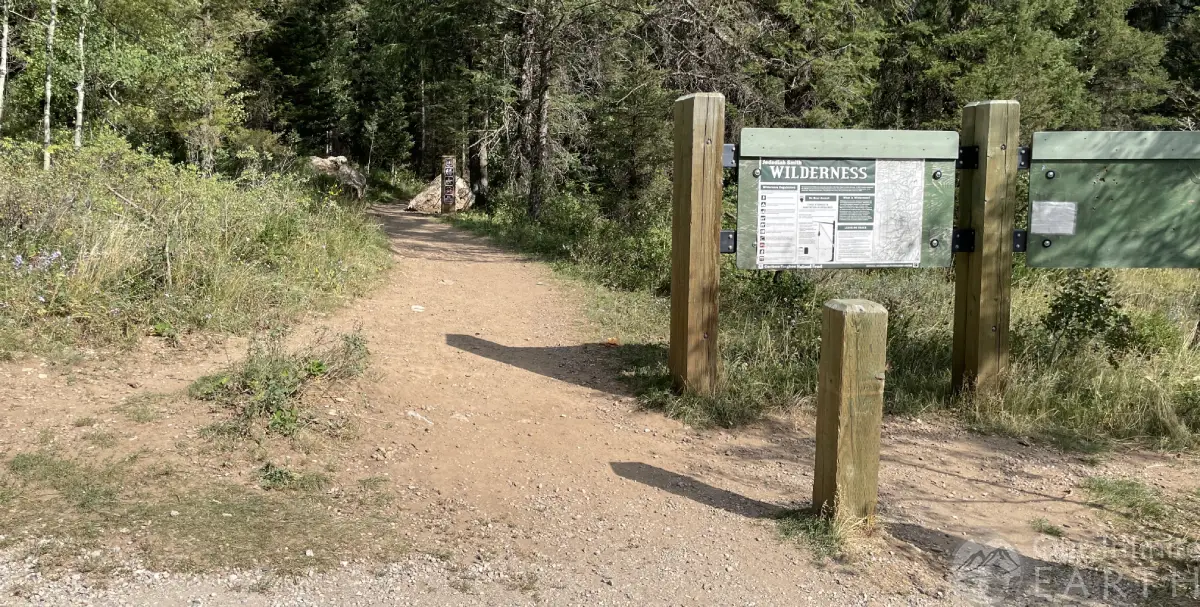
point(814, 212)
point(817, 198)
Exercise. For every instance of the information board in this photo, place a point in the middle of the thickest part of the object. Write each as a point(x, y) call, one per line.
point(1108, 199)
point(822, 198)
point(814, 212)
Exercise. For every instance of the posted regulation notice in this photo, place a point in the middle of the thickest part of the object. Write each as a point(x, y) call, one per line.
point(818, 212)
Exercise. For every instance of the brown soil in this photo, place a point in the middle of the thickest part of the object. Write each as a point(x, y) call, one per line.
point(495, 415)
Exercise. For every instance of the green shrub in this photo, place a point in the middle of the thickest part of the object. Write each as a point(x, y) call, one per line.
point(112, 244)
point(270, 382)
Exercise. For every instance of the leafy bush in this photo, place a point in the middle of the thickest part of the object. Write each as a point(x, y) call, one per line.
point(112, 244)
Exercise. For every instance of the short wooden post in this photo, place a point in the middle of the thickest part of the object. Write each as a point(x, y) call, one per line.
point(449, 185)
point(983, 278)
point(695, 241)
point(850, 409)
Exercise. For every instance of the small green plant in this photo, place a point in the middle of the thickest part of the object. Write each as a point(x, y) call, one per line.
point(166, 331)
point(270, 382)
point(1045, 527)
point(1130, 496)
point(823, 536)
point(8, 491)
point(316, 368)
point(277, 478)
point(102, 439)
point(285, 421)
point(84, 422)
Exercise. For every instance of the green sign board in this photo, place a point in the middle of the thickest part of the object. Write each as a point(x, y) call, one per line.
point(821, 198)
point(1114, 200)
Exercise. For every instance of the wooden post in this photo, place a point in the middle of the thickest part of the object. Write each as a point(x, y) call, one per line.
point(850, 409)
point(983, 279)
point(449, 185)
point(695, 241)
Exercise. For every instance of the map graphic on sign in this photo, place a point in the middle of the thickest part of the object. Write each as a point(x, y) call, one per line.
point(818, 212)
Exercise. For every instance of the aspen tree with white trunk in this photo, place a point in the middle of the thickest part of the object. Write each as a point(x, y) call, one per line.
point(83, 17)
point(49, 81)
point(5, 6)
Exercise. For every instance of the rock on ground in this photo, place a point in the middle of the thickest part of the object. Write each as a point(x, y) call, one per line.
point(430, 200)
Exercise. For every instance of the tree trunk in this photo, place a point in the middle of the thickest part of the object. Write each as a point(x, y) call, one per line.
point(207, 134)
point(49, 81)
point(540, 153)
point(424, 153)
point(82, 78)
point(526, 109)
point(4, 8)
point(479, 166)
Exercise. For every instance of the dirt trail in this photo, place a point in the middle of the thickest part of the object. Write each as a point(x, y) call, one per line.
point(527, 472)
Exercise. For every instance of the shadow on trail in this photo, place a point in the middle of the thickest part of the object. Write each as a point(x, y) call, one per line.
point(598, 366)
point(697, 491)
point(987, 570)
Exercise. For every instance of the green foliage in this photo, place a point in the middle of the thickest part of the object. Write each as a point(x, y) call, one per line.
point(1085, 311)
point(276, 478)
point(1045, 527)
point(1130, 496)
point(112, 244)
point(87, 487)
point(823, 536)
point(269, 384)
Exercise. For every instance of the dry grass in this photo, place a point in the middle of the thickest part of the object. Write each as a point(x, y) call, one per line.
point(180, 521)
point(112, 245)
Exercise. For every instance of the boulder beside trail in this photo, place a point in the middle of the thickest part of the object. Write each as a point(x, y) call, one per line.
point(341, 169)
point(430, 200)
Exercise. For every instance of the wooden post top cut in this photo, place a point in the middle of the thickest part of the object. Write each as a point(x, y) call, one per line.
point(856, 306)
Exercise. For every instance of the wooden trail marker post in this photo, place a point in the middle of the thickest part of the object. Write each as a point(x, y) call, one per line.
point(983, 278)
point(850, 409)
point(449, 185)
point(695, 241)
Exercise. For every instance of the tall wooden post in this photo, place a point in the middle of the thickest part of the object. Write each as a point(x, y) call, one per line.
point(695, 241)
point(983, 278)
point(449, 185)
point(850, 409)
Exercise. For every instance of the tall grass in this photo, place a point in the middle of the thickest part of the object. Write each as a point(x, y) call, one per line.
point(1137, 379)
point(112, 244)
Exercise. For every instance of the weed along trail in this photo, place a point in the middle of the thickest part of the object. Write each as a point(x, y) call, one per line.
point(487, 452)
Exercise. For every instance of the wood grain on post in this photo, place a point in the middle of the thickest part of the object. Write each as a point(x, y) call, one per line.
point(695, 241)
point(983, 279)
point(850, 409)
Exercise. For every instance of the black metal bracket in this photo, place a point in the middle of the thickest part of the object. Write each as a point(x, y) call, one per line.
point(1024, 156)
point(963, 240)
point(729, 158)
point(1020, 241)
point(728, 241)
point(968, 157)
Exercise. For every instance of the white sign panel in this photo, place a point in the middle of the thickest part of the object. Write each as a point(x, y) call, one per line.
point(819, 212)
